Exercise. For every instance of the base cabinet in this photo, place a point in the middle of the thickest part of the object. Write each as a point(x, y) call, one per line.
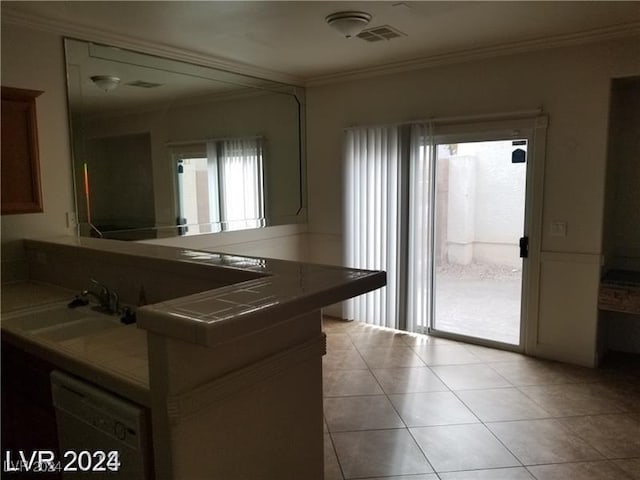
point(28, 417)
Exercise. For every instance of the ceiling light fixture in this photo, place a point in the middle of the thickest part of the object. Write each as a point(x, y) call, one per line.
point(106, 82)
point(348, 24)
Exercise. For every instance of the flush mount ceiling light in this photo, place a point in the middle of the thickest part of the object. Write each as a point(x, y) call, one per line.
point(348, 24)
point(106, 82)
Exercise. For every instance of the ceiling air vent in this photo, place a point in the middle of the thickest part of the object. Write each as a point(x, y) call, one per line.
point(141, 84)
point(385, 32)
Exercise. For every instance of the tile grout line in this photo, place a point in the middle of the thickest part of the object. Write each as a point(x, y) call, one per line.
point(519, 388)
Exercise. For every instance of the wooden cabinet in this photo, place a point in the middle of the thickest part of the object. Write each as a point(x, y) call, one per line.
point(28, 416)
point(21, 191)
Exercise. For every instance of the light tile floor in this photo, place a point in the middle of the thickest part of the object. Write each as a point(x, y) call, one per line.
point(413, 407)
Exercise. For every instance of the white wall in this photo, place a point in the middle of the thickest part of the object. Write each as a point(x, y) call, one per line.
point(34, 60)
point(572, 85)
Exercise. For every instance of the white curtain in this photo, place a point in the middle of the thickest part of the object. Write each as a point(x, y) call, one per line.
point(372, 216)
point(240, 173)
point(420, 232)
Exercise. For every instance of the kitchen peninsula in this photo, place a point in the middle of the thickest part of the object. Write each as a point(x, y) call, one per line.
point(234, 348)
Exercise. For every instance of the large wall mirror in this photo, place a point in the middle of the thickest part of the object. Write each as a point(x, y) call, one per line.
point(164, 148)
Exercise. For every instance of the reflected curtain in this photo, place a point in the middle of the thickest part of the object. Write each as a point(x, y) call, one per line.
point(241, 183)
point(236, 167)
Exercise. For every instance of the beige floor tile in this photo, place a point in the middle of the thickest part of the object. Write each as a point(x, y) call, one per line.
point(468, 377)
point(514, 473)
point(445, 355)
point(339, 341)
point(414, 340)
point(408, 380)
point(501, 404)
point(543, 441)
point(614, 436)
point(332, 325)
point(579, 374)
point(389, 357)
point(350, 382)
point(379, 453)
point(631, 467)
point(426, 476)
point(494, 355)
point(371, 442)
point(343, 360)
point(331, 467)
point(572, 399)
point(531, 372)
point(345, 414)
point(375, 339)
point(625, 395)
point(431, 408)
point(579, 471)
point(462, 447)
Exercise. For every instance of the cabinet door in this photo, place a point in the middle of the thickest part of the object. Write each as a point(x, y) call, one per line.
point(28, 415)
point(21, 192)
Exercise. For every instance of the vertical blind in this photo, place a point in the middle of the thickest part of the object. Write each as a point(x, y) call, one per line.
point(372, 217)
point(389, 219)
point(377, 217)
point(419, 279)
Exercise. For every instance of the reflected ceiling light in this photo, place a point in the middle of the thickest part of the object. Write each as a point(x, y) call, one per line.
point(348, 24)
point(106, 82)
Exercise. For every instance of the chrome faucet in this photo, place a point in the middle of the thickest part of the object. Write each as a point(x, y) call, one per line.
point(108, 300)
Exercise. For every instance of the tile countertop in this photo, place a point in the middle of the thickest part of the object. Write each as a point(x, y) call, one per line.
point(282, 290)
point(115, 359)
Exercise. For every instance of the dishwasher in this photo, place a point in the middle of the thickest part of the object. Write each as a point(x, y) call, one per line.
point(99, 432)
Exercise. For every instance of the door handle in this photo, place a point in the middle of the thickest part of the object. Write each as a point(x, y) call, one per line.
point(524, 247)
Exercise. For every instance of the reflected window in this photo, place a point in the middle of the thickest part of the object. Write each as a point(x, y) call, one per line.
point(222, 188)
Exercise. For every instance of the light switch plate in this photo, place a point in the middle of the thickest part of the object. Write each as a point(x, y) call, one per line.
point(559, 228)
point(72, 220)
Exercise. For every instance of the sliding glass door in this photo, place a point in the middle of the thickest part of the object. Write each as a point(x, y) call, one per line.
point(445, 209)
point(479, 223)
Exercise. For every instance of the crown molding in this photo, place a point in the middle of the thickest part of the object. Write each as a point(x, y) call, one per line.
point(557, 41)
point(90, 34)
point(82, 32)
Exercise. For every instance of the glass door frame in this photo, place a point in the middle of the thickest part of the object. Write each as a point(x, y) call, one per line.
point(534, 131)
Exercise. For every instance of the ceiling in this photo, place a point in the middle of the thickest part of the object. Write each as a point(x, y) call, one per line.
point(292, 37)
point(168, 82)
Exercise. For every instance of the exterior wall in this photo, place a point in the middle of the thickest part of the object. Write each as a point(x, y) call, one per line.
point(485, 204)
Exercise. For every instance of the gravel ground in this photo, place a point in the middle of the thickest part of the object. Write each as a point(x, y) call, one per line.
point(479, 271)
